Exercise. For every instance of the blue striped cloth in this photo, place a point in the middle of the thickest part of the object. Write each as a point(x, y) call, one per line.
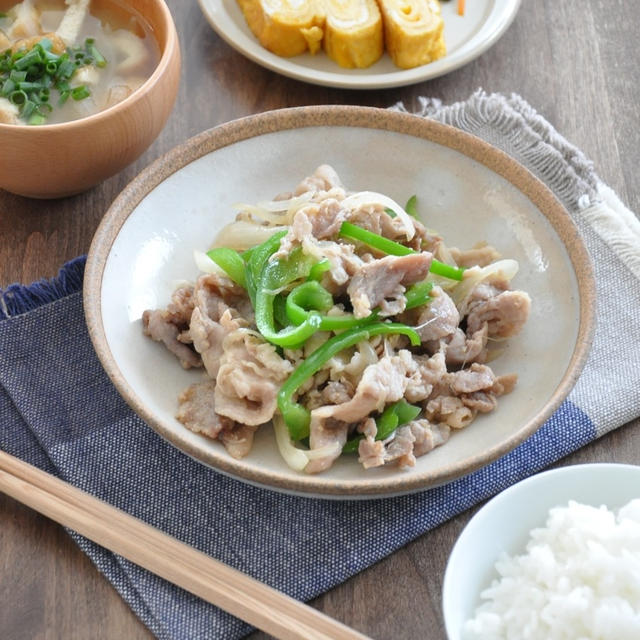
point(60, 412)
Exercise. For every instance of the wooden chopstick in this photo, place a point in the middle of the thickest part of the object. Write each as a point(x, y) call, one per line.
point(211, 580)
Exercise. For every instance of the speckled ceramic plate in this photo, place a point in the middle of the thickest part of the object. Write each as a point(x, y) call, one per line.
point(466, 37)
point(468, 190)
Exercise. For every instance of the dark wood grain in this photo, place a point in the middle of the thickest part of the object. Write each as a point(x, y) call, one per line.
point(575, 61)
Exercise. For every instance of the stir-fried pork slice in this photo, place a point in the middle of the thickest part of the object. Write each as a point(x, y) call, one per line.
point(410, 442)
point(423, 375)
point(214, 293)
point(322, 179)
point(250, 375)
point(374, 218)
point(476, 378)
point(214, 317)
point(196, 409)
point(343, 262)
point(479, 256)
point(315, 221)
point(238, 439)
point(486, 400)
point(438, 319)
point(462, 350)
point(380, 384)
point(337, 392)
point(208, 337)
point(170, 326)
point(322, 220)
point(381, 283)
point(449, 410)
point(505, 312)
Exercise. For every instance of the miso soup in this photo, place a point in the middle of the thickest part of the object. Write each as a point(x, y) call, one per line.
point(61, 61)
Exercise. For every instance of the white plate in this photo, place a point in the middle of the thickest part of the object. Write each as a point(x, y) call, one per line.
point(467, 190)
point(466, 38)
point(504, 523)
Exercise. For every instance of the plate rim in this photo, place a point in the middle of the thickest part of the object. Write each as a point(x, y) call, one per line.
point(450, 137)
point(499, 20)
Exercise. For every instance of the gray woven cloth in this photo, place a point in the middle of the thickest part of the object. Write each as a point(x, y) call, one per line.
point(59, 411)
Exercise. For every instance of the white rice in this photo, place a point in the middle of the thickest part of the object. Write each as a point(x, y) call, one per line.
point(578, 579)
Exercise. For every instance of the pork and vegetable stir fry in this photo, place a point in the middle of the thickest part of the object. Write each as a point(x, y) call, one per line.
point(342, 320)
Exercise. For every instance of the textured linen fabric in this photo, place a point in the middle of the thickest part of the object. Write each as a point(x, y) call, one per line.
point(59, 411)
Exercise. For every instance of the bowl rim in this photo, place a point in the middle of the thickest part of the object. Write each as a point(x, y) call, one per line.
point(505, 497)
point(355, 116)
point(168, 51)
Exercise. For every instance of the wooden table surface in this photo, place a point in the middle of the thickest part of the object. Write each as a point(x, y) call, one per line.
point(575, 61)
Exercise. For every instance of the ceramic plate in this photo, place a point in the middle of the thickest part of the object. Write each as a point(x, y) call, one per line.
point(466, 38)
point(468, 191)
point(504, 523)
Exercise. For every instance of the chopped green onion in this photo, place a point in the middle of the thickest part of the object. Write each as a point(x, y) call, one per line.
point(28, 76)
point(18, 97)
point(98, 58)
point(80, 93)
point(27, 60)
point(18, 76)
point(8, 87)
point(36, 118)
point(44, 44)
point(390, 212)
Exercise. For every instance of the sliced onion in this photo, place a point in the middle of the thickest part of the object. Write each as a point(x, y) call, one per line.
point(503, 269)
point(275, 211)
point(205, 263)
point(296, 458)
point(364, 198)
point(241, 235)
point(286, 205)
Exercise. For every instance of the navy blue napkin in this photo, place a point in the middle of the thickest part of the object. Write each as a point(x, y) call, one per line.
point(60, 412)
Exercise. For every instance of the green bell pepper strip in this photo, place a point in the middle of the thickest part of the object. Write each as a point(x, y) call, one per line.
point(297, 417)
point(411, 207)
point(275, 275)
point(352, 231)
point(318, 269)
point(231, 263)
point(394, 416)
point(312, 296)
point(418, 294)
point(258, 258)
point(280, 310)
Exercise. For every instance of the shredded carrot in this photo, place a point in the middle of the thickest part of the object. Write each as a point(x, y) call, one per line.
point(460, 7)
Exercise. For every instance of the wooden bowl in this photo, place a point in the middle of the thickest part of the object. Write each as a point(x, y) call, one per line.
point(57, 160)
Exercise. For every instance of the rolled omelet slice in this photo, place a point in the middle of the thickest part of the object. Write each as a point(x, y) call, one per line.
point(413, 31)
point(353, 35)
point(285, 27)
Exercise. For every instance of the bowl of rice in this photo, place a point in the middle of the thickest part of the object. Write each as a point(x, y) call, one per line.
point(556, 556)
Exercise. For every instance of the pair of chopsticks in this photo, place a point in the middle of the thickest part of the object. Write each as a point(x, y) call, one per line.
point(211, 580)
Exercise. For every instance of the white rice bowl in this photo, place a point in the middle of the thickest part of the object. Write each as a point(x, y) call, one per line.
point(545, 559)
point(579, 578)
